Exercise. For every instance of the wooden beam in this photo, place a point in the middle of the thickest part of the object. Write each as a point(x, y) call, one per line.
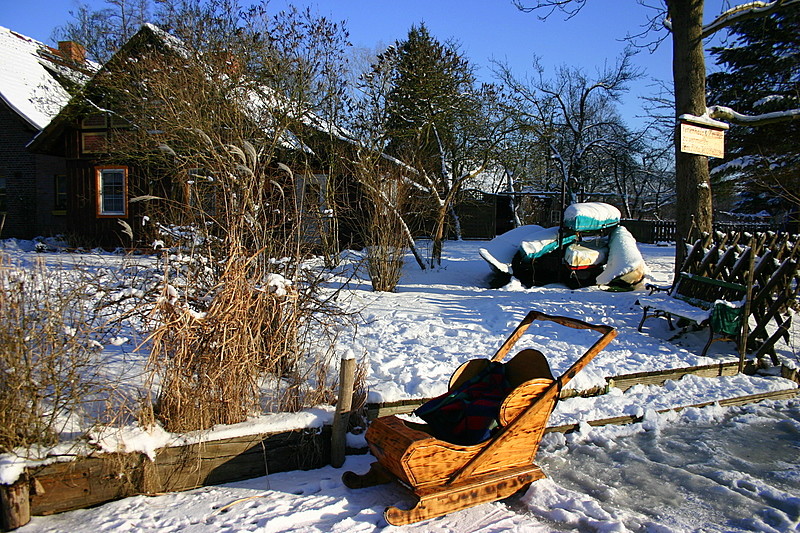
point(15, 504)
point(98, 479)
point(787, 394)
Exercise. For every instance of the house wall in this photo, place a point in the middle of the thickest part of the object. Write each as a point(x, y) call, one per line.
point(84, 225)
point(29, 181)
point(50, 221)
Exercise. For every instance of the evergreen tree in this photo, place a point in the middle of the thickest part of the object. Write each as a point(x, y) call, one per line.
point(431, 92)
point(761, 75)
point(438, 121)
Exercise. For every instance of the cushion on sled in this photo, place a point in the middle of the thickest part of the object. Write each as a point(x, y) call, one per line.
point(467, 414)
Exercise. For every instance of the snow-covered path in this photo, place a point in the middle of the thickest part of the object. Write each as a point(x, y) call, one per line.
point(412, 339)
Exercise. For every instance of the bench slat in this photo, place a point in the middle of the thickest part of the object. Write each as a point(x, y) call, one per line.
point(675, 307)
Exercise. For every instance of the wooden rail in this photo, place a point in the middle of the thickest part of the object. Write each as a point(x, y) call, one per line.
point(787, 394)
point(623, 382)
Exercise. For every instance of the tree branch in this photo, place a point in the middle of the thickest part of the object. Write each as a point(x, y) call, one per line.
point(569, 7)
point(744, 12)
point(729, 115)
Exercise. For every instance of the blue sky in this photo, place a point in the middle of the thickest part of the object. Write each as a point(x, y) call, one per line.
point(485, 28)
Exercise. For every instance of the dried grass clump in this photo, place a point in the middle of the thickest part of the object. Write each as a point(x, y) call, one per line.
point(210, 365)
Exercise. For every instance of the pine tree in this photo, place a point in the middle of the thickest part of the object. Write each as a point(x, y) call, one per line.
point(435, 120)
point(761, 75)
point(432, 91)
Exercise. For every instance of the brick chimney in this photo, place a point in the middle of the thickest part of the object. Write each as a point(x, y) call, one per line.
point(72, 51)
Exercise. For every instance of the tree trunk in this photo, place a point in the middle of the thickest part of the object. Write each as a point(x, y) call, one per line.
point(438, 237)
point(456, 222)
point(692, 180)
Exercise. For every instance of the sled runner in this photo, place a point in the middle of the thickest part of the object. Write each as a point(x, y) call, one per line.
point(444, 476)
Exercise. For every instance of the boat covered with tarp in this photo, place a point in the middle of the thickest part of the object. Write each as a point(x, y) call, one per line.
point(590, 247)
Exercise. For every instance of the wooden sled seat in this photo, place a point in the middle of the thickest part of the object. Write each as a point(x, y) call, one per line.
point(444, 476)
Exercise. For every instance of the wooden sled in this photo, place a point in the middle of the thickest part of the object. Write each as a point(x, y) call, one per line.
point(446, 477)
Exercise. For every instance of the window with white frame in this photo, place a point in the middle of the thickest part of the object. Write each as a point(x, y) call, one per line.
point(112, 187)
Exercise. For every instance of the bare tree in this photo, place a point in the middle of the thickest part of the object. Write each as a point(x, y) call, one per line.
point(103, 31)
point(573, 117)
point(684, 20)
point(388, 189)
point(219, 135)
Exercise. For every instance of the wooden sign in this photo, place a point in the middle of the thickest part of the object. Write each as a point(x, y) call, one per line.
point(702, 140)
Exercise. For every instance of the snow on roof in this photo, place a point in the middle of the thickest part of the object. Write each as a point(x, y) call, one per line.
point(168, 39)
point(704, 120)
point(28, 82)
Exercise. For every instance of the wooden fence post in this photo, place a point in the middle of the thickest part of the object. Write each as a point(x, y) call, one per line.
point(15, 504)
point(745, 331)
point(344, 405)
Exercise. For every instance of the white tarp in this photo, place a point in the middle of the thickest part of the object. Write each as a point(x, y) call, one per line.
point(501, 250)
point(625, 261)
point(590, 216)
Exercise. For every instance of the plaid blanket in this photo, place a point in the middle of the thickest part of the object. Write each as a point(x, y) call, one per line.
point(467, 414)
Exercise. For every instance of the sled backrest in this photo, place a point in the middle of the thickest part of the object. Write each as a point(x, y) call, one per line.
point(526, 365)
point(467, 371)
point(529, 374)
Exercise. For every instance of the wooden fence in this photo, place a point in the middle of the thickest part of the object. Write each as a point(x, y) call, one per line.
point(655, 231)
point(774, 281)
point(484, 216)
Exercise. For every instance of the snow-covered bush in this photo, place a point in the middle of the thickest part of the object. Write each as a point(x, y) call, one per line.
point(54, 324)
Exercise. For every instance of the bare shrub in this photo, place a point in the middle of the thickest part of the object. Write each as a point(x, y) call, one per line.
point(263, 343)
point(386, 248)
point(208, 362)
point(382, 219)
point(53, 325)
point(211, 129)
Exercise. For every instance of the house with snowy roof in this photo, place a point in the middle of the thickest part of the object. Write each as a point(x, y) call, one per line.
point(102, 197)
point(36, 82)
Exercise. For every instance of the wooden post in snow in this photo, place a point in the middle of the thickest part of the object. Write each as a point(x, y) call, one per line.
point(15, 504)
point(745, 327)
point(344, 405)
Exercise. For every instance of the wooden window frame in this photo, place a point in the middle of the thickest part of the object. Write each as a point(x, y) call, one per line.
point(4, 195)
point(99, 171)
point(60, 208)
point(94, 142)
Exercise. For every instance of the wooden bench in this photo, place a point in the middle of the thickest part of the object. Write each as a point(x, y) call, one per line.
point(704, 301)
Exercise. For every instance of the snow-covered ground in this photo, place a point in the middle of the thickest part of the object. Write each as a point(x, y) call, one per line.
point(710, 469)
